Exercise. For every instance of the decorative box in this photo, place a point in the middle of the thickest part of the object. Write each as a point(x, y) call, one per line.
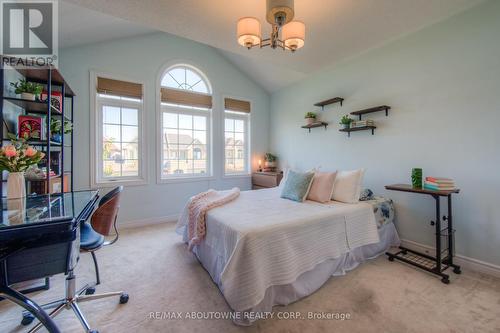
point(55, 100)
point(30, 126)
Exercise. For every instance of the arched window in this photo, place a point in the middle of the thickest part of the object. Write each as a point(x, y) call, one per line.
point(185, 78)
point(186, 105)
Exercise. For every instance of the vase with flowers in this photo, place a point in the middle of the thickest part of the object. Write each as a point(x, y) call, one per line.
point(16, 158)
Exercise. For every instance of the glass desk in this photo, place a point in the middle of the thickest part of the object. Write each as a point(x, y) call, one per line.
point(39, 237)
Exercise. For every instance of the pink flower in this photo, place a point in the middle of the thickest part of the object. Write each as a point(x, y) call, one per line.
point(30, 152)
point(10, 151)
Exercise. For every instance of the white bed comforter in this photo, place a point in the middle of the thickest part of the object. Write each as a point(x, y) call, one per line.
point(265, 240)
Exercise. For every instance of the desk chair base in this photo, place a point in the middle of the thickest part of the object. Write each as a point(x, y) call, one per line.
point(71, 301)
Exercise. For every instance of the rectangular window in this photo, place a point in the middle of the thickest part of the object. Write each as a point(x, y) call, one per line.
point(236, 137)
point(185, 141)
point(118, 155)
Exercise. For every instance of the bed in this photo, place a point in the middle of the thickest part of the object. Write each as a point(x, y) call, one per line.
point(262, 250)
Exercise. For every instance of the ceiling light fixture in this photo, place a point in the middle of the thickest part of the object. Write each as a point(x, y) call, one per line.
point(280, 15)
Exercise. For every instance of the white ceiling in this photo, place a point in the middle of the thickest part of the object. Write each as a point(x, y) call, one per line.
point(336, 29)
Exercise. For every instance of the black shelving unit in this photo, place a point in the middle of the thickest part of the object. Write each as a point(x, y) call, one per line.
point(53, 81)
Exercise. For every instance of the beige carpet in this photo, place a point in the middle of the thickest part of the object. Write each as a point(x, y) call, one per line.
point(161, 276)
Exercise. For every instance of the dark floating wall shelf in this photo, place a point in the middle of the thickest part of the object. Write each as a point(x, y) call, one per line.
point(314, 125)
point(370, 110)
point(355, 129)
point(329, 101)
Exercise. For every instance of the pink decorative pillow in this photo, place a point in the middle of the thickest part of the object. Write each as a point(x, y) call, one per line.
point(322, 186)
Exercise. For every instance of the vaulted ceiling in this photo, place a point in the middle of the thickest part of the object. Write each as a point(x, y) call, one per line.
point(336, 29)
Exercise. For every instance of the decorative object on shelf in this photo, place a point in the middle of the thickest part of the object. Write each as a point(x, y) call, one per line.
point(360, 113)
point(270, 162)
point(416, 177)
point(34, 173)
point(260, 166)
point(27, 90)
point(310, 118)
point(345, 121)
point(16, 158)
point(334, 100)
point(30, 127)
point(56, 130)
point(280, 14)
point(55, 100)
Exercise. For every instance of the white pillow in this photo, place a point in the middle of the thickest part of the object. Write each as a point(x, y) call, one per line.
point(347, 187)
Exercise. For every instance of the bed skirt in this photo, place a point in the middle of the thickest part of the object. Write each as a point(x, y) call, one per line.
point(308, 282)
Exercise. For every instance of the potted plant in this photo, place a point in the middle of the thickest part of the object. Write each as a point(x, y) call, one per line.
point(56, 129)
point(345, 121)
point(310, 118)
point(270, 160)
point(16, 158)
point(28, 90)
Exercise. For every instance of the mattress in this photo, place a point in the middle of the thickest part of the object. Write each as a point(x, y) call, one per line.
point(260, 241)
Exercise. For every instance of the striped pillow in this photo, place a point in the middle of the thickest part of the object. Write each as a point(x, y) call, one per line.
point(297, 185)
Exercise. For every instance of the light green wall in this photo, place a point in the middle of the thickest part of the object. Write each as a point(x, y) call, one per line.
point(141, 58)
point(443, 84)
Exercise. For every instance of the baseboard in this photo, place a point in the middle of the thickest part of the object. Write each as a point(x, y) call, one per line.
point(148, 222)
point(465, 262)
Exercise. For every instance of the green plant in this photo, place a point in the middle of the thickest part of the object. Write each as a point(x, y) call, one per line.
point(310, 115)
point(270, 157)
point(55, 126)
point(23, 86)
point(345, 120)
point(18, 156)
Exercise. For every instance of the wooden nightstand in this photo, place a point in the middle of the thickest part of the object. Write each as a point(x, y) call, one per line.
point(266, 179)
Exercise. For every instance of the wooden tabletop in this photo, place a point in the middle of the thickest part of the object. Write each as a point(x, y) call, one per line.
point(409, 188)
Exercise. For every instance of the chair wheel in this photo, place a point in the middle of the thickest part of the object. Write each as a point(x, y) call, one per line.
point(445, 280)
point(123, 298)
point(90, 291)
point(390, 258)
point(457, 270)
point(27, 319)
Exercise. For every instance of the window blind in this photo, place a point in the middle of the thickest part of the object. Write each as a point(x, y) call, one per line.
point(119, 88)
point(236, 105)
point(184, 97)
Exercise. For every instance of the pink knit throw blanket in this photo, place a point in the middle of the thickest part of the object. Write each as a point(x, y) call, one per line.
point(198, 207)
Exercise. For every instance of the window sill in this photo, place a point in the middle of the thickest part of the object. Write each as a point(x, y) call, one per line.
point(184, 180)
point(135, 182)
point(232, 176)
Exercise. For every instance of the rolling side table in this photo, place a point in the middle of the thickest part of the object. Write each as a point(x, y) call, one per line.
point(444, 252)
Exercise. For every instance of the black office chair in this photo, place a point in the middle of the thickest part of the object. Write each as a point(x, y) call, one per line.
point(92, 238)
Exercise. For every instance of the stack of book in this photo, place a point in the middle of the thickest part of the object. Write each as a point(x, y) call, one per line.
point(362, 123)
point(439, 184)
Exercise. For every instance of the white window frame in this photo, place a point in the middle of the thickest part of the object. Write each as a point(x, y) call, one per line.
point(247, 118)
point(192, 112)
point(96, 103)
point(160, 179)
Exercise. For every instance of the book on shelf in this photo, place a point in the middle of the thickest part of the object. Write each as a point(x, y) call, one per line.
point(362, 123)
